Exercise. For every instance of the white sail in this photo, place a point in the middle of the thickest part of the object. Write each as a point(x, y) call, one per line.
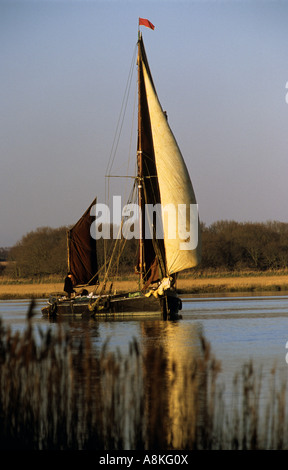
point(181, 239)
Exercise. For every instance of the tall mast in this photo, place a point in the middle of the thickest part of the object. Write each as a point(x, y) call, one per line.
point(140, 171)
point(68, 250)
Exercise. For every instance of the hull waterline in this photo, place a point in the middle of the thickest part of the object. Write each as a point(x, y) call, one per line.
point(135, 304)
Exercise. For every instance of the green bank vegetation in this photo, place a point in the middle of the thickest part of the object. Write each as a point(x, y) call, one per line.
point(58, 392)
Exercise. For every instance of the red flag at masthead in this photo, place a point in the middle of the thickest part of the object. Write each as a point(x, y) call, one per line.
point(147, 23)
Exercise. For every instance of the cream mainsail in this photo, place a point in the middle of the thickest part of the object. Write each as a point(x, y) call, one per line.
point(180, 217)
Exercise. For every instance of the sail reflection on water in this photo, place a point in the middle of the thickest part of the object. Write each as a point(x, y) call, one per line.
point(175, 382)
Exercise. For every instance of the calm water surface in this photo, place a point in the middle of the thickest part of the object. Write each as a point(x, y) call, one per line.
point(239, 328)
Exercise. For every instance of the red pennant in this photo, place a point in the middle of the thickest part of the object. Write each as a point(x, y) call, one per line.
point(147, 23)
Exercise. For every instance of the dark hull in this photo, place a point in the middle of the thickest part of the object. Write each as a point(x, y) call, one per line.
point(165, 307)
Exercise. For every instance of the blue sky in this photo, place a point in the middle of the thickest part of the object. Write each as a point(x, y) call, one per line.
point(220, 69)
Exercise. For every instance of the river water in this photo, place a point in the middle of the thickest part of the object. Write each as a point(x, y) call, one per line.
point(238, 328)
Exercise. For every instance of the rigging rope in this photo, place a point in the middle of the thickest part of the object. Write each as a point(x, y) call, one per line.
point(118, 134)
point(122, 115)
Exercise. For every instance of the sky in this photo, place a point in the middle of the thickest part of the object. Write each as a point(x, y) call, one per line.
point(220, 69)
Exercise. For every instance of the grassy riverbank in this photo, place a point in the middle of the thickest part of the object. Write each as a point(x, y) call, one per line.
point(220, 283)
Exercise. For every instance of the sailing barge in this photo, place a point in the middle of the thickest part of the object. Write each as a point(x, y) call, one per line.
point(162, 178)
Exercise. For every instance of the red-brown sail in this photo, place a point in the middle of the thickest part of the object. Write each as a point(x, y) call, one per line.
point(82, 255)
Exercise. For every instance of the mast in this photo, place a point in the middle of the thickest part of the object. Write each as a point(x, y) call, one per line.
point(68, 250)
point(151, 257)
point(140, 173)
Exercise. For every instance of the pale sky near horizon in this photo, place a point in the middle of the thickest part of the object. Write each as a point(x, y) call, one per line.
point(220, 69)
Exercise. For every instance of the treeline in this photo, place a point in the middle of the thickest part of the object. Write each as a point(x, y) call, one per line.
point(238, 246)
point(43, 253)
point(226, 245)
point(40, 253)
point(4, 254)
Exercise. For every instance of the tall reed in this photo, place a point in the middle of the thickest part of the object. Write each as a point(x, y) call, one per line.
point(57, 392)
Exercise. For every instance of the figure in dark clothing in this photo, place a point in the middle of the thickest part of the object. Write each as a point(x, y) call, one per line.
point(68, 285)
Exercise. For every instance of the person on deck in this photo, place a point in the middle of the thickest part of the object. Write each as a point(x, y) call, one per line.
point(68, 285)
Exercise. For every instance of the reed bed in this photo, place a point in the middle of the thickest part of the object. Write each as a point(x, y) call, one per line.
point(58, 392)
